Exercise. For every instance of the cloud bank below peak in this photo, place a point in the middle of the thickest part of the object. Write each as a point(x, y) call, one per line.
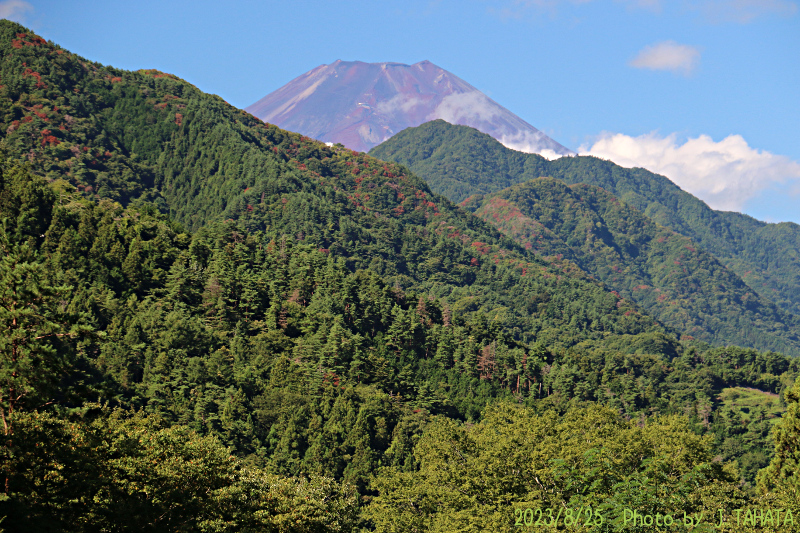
point(725, 174)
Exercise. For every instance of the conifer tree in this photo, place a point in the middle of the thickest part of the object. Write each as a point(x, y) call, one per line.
point(782, 476)
point(35, 352)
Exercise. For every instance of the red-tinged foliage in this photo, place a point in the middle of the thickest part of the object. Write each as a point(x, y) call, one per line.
point(178, 119)
point(51, 140)
point(20, 41)
point(331, 377)
point(474, 262)
point(30, 72)
point(481, 247)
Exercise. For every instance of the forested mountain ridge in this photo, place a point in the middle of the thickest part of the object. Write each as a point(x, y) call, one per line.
point(666, 273)
point(305, 334)
point(148, 136)
point(458, 161)
point(302, 368)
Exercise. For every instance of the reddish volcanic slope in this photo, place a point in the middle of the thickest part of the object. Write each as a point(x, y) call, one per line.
point(362, 104)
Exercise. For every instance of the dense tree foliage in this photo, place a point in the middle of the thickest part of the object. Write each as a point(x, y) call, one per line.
point(129, 472)
point(458, 161)
point(590, 463)
point(666, 273)
point(287, 344)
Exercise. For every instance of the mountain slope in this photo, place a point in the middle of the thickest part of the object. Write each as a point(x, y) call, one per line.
point(458, 161)
point(322, 306)
point(666, 273)
point(147, 135)
point(362, 104)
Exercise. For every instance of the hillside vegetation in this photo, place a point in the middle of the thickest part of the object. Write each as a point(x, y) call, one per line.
point(664, 272)
point(212, 324)
point(458, 161)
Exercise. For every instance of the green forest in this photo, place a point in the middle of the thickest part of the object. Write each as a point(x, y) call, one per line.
point(666, 273)
point(211, 324)
point(458, 161)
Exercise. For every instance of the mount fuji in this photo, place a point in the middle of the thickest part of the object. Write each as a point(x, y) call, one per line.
point(363, 104)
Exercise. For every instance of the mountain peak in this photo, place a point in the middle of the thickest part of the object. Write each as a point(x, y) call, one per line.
point(363, 104)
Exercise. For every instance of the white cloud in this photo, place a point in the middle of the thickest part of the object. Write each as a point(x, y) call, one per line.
point(530, 143)
point(743, 11)
point(14, 10)
point(460, 108)
point(724, 174)
point(668, 55)
point(400, 103)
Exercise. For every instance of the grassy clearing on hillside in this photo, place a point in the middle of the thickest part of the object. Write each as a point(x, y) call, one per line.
point(750, 403)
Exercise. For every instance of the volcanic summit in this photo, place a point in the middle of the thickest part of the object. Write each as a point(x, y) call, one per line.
point(363, 104)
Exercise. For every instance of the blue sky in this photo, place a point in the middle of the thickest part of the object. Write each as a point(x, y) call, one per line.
point(706, 92)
